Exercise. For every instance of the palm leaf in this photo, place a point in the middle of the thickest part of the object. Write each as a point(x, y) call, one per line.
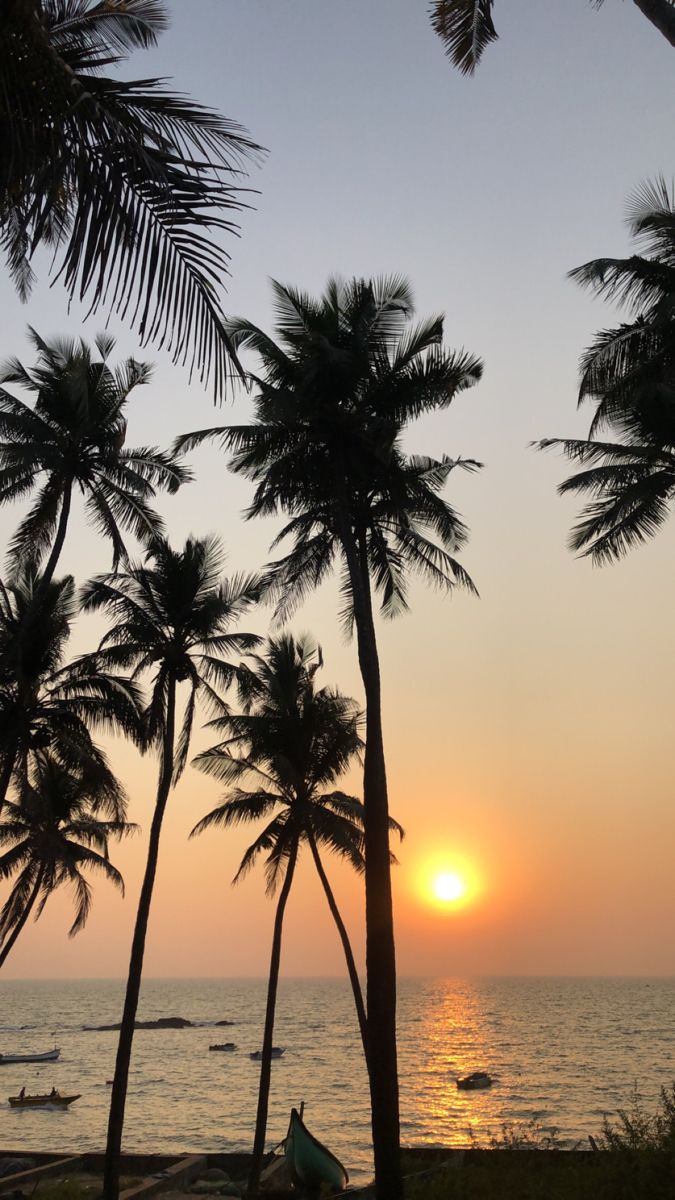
point(466, 29)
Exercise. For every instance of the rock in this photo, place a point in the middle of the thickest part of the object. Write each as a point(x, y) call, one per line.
point(225, 1022)
point(230, 1189)
point(215, 1175)
point(160, 1023)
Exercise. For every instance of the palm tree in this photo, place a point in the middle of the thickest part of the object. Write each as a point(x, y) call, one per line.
point(73, 439)
point(172, 616)
point(466, 27)
point(628, 373)
point(47, 704)
point(125, 181)
point(338, 388)
point(291, 742)
point(59, 827)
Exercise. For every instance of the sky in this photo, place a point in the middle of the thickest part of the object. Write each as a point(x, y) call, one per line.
point(528, 732)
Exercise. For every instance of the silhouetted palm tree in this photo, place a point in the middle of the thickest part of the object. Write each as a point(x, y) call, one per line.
point(466, 27)
point(46, 703)
point(125, 181)
point(338, 388)
point(172, 616)
point(72, 439)
point(629, 374)
point(291, 742)
point(58, 828)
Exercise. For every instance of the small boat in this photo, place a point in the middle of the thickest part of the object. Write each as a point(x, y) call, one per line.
point(311, 1164)
point(277, 1052)
point(48, 1100)
point(46, 1056)
point(475, 1081)
point(223, 1046)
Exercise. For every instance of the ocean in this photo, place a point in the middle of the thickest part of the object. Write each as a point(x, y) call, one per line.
point(563, 1052)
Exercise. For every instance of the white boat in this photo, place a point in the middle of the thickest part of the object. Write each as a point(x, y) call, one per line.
point(46, 1056)
point(277, 1052)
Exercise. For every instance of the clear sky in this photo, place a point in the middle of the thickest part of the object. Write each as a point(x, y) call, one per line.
point(529, 733)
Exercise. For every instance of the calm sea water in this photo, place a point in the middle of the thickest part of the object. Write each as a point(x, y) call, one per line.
point(565, 1051)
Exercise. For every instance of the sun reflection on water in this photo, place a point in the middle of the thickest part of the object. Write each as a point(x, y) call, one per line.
point(452, 1041)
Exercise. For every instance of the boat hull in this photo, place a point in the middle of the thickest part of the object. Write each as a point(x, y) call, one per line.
point(47, 1101)
point(312, 1165)
point(48, 1056)
point(474, 1083)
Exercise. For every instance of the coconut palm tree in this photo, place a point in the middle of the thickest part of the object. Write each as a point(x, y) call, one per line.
point(124, 180)
point(46, 703)
point(628, 373)
point(173, 618)
point(466, 27)
point(345, 377)
point(291, 743)
point(58, 828)
point(72, 439)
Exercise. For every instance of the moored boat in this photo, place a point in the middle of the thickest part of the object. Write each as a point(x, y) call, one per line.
point(47, 1100)
point(46, 1056)
point(277, 1052)
point(475, 1081)
point(311, 1164)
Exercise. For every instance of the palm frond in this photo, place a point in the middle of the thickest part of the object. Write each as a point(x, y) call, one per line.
point(466, 29)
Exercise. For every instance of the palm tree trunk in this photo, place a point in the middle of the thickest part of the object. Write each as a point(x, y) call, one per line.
point(55, 553)
point(661, 13)
point(6, 775)
point(380, 947)
point(266, 1062)
point(346, 945)
point(48, 573)
point(111, 1174)
point(4, 951)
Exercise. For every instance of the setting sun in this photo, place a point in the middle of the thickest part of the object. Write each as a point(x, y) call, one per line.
point(448, 887)
point(448, 882)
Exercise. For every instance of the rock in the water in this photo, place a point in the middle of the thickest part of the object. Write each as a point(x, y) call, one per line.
point(160, 1023)
point(225, 1022)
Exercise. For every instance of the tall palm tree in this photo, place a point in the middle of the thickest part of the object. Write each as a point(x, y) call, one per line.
point(338, 388)
point(628, 373)
point(46, 703)
point(72, 439)
point(466, 27)
point(125, 181)
point(58, 828)
point(291, 743)
point(172, 618)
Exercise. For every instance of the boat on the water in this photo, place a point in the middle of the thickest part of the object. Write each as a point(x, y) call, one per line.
point(311, 1164)
point(48, 1100)
point(46, 1056)
point(223, 1046)
point(277, 1052)
point(475, 1081)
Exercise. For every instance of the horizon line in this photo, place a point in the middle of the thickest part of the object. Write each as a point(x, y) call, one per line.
point(324, 978)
